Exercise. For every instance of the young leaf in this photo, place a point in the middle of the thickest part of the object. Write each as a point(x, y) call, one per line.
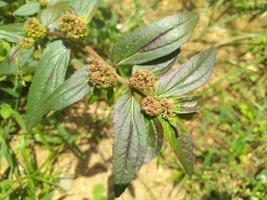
point(154, 139)
point(52, 13)
point(190, 76)
point(84, 8)
point(129, 142)
point(181, 144)
point(48, 76)
point(11, 32)
point(155, 40)
point(28, 9)
point(69, 92)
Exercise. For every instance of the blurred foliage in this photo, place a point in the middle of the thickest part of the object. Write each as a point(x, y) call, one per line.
point(231, 148)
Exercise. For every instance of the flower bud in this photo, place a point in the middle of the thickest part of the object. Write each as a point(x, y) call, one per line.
point(26, 43)
point(142, 80)
point(101, 75)
point(75, 27)
point(35, 29)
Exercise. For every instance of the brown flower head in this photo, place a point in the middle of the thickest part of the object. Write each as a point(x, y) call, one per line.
point(151, 106)
point(142, 80)
point(101, 75)
point(35, 29)
point(75, 27)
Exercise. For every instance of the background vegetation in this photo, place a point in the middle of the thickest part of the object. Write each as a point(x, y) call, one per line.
point(229, 133)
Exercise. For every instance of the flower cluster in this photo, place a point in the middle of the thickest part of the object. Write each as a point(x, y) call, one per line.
point(26, 43)
point(35, 29)
point(74, 27)
point(153, 107)
point(101, 75)
point(143, 80)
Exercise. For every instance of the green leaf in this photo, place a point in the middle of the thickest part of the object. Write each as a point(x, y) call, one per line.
point(159, 66)
point(69, 92)
point(2, 3)
point(110, 96)
point(84, 8)
point(52, 13)
point(181, 144)
point(48, 76)
point(129, 142)
point(28, 9)
point(154, 139)
point(190, 76)
point(186, 105)
point(155, 40)
point(11, 32)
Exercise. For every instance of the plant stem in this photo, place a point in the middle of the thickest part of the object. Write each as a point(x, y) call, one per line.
point(56, 34)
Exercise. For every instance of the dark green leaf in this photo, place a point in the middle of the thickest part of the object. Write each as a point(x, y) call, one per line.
point(154, 140)
point(155, 40)
point(69, 92)
point(181, 144)
point(190, 76)
point(159, 66)
point(129, 142)
point(84, 8)
point(110, 96)
point(28, 9)
point(48, 76)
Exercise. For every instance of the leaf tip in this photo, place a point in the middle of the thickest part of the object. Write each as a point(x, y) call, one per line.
point(119, 189)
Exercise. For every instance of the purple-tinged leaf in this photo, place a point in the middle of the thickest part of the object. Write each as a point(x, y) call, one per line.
point(188, 77)
point(154, 139)
point(155, 40)
point(186, 105)
point(129, 142)
point(159, 66)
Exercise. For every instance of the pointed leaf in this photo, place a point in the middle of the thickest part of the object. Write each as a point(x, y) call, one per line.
point(28, 9)
point(48, 76)
point(155, 40)
point(188, 77)
point(2, 4)
point(84, 8)
point(69, 92)
point(181, 144)
point(159, 66)
point(154, 140)
point(129, 142)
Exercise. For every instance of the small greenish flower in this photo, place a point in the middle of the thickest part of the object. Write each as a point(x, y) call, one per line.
point(167, 108)
point(101, 75)
point(35, 29)
point(75, 27)
point(143, 80)
point(26, 43)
